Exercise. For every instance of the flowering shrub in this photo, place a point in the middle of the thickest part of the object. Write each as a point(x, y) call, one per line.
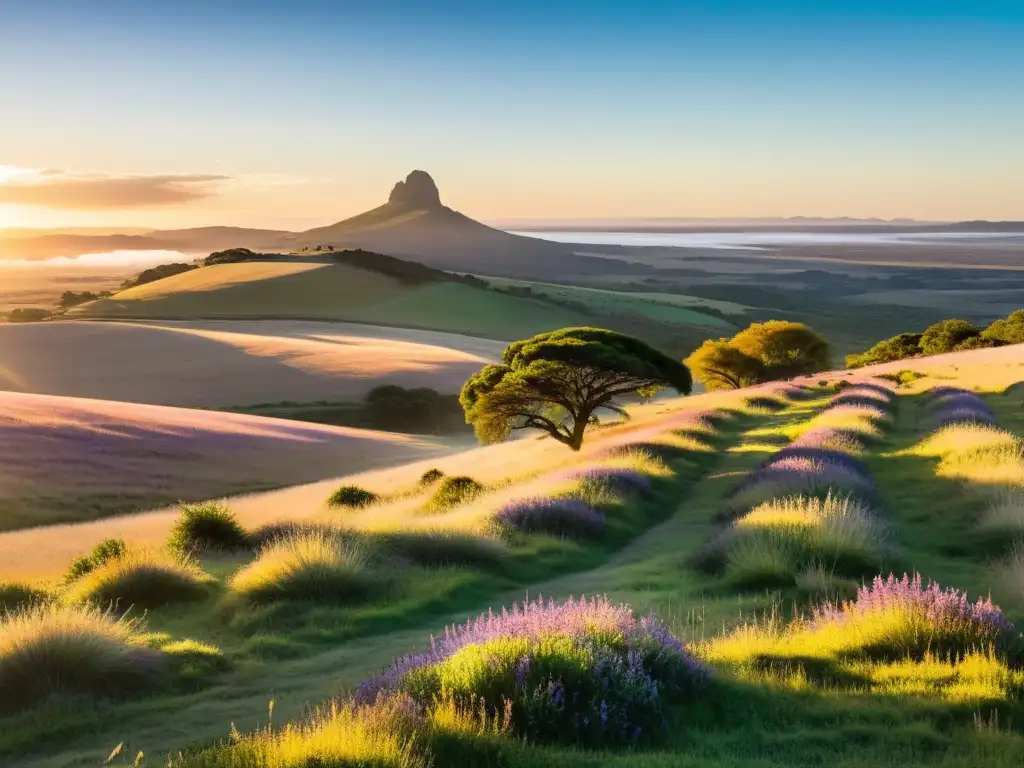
point(579, 670)
point(617, 478)
point(897, 617)
point(558, 516)
point(829, 439)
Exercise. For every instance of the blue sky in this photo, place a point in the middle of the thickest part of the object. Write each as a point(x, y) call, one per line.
point(307, 112)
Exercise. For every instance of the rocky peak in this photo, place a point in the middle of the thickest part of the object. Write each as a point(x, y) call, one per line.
point(417, 191)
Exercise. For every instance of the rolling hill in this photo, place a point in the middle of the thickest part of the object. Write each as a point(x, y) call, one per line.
point(231, 363)
point(320, 290)
point(68, 459)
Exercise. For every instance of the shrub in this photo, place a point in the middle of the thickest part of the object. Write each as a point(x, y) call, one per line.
point(101, 553)
point(556, 516)
point(945, 335)
point(453, 491)
point(140, 580)
point(15, 596)
point(798, 475)
point(352, 496)
point(578, 671)
point(829, 439)
point(836, 532)
point(207, 527)
point(431, 476)
point(616, 478)
point(157, 273)
point(315, 567)
point(894, 618)
point(48, 650)
point(28, 315)
point(899, 347)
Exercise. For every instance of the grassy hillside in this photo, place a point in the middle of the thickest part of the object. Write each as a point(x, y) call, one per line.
point(659, 307)
point(311, 290)
point(738, 520)
point(232, 363)
point(67, 459)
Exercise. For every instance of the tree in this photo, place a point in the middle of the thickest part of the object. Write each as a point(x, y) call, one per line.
point(557, 382)
point(897, 348)
point(944, 336)
point(1009, 330)
point(719, 365)
point(785, 349)
point(777, 349)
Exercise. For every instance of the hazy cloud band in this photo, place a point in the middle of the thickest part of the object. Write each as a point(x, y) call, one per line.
point(57, 189)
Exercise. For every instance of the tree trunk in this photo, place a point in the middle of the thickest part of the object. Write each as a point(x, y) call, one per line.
point(579, 426)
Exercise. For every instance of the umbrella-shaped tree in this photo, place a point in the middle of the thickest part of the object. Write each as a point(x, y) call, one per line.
point(557, 382)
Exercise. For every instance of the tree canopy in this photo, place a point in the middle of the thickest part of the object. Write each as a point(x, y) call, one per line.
point(1009, 330)
point(946, 335)
point(777, 349)
point(557, 382)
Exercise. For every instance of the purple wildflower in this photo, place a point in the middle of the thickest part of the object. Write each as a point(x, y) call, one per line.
point(948, 608)
point(578, 618)
point(619, 478)
point(563, 517)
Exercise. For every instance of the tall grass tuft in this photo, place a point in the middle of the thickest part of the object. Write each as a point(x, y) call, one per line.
point(781, 538)
point(378, 735)
point(15, 596)
point(206, 527)
point(430, 477)
point(50, 650)
point(140, 579)
point(453, 491)
point(316, 567)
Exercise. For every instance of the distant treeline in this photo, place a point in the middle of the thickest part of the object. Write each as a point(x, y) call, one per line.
point(945, 336)
point(391, 408)
point(407, 272)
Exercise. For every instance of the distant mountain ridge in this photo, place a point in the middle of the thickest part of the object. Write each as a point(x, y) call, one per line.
point(414, 223)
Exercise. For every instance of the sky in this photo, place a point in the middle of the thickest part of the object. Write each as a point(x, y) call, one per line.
point(296, 114)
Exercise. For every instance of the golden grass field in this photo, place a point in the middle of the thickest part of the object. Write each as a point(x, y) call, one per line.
point(69, 459)
point(231, 363)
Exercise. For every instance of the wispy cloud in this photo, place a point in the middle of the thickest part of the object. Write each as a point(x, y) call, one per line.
point(61, 189)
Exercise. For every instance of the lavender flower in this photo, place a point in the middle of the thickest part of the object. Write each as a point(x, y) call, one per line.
point(619, 478)
point(559, 516)
point(939, 618)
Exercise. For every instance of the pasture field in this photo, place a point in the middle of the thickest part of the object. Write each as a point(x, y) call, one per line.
point(318, 291)
point(750, 525)
point(232, 363)
point(66, 459)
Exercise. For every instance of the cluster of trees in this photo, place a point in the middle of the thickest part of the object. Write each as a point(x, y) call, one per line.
point(70, 299)
point(770, 351)
point(235, 255)
point(945, 336)
point(319, 248)
point(28, 315)
point(419, 410)
point(407, 272)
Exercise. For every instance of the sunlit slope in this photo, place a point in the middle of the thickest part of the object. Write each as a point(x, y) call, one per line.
point(232, 363)
point(71, 459)
point(332, 292)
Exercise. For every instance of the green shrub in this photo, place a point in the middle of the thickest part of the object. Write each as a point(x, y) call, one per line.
point(206, 526)
point(28, 315)
point(157, 273)
point(15, 596)
point(453, 491)
point(431, 476)
point(946, 335)
point(101, 553)
point(351, 496)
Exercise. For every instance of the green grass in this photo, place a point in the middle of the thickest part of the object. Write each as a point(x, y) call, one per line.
point(782, 695)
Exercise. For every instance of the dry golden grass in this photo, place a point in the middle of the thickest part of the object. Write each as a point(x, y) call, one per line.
point(139, 579)
point(232, 363)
